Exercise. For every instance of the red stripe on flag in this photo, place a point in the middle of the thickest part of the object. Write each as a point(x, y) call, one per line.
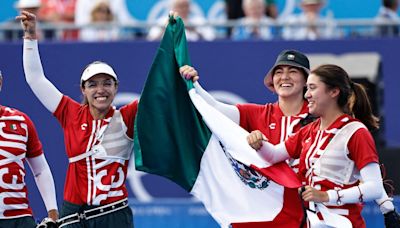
point(281, 174)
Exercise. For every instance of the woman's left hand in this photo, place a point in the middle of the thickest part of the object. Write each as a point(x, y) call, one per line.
point(189, 72)
point(28, 23)
point(312, 194)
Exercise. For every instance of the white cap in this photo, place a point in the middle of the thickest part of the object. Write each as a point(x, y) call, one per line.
point(95, 68)
point(27, 4)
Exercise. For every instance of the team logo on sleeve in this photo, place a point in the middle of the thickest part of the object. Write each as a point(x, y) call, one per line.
point(247, 175)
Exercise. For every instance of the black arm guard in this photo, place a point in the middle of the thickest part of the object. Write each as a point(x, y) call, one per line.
point(392, 219)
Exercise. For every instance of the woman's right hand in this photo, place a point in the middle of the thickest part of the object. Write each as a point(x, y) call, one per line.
point(309, 193)
point(189, 72)
point(28, 22)
point(53, 214)
point(255, 139)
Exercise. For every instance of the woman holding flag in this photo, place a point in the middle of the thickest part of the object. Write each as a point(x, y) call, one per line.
point(276, 120)
point(279, 120)
point(336, 151)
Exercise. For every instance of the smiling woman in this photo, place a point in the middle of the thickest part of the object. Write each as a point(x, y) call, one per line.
point(338, 158)
point(277, 121)
point(99, 85)
point(331, 87)
point(98, 139)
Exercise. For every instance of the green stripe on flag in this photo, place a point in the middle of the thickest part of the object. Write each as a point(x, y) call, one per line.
point(169, 135)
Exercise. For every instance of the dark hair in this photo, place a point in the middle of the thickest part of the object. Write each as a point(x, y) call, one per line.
point(353, 98)
point(84, 100)
point(302, 70)
point(305, 74)
point(391, 4)
point(103, 7)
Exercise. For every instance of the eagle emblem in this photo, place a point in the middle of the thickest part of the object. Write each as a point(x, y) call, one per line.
point(246, 174)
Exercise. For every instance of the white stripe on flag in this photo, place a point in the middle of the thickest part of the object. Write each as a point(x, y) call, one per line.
point(224, 184)
point(214, 120)
point(227, 197)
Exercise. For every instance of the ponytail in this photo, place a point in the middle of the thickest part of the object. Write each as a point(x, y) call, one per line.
point(361, 107)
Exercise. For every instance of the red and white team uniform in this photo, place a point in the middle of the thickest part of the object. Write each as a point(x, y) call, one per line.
point(95, 177)
point(277, 127)
point(18, 140)
point(270, 120)
point(309, 145)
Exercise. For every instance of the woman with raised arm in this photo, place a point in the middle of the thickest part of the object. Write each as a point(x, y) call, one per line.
point(277, 120)
point(98, 139)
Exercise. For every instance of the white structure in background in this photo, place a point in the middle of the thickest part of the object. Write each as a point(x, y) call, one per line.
point(357, 64)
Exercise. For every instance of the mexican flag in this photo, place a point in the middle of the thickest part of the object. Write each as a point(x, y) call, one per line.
point(179, 136)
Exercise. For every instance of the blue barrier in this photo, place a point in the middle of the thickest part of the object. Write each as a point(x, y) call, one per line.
point(176, 213)
point(171, 213)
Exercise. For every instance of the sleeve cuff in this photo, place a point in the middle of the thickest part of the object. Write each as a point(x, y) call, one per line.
point(28, 43)
point(332, 195)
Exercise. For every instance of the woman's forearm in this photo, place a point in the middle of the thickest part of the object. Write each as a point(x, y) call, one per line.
point(44, 90)
point(230, 111)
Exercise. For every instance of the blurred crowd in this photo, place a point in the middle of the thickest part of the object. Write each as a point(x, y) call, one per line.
point(109, 20)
